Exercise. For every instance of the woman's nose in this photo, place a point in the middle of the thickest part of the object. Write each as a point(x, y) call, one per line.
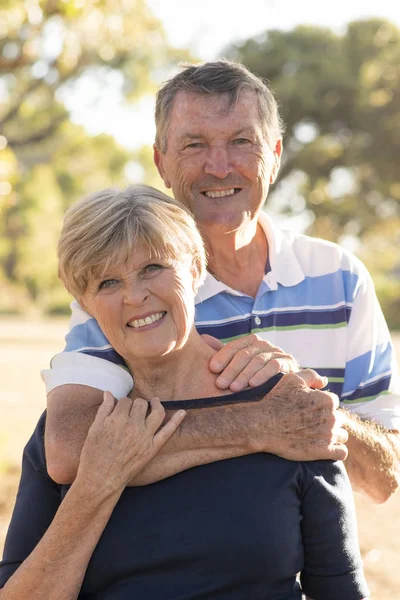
point(135, 293)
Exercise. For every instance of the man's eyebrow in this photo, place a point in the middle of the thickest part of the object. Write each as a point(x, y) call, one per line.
point(190, 136)
point(244, 130)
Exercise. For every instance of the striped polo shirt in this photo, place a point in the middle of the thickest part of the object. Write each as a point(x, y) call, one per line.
point(316, 301)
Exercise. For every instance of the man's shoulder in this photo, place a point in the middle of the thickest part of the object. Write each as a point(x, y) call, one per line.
point(322, 257)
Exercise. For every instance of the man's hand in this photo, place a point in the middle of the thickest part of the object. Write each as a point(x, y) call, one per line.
point(300, 423)
point(248, 361)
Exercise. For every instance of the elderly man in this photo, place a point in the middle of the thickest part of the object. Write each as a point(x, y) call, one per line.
point(218, 148)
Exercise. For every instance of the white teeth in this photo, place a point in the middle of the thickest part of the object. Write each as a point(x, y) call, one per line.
point(220, 194)
point(147, 321)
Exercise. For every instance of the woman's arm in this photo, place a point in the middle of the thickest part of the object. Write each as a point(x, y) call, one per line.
point(332, 562)
point(120, 443)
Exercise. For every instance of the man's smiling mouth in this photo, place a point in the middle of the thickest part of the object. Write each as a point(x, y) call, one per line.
point(221, 193)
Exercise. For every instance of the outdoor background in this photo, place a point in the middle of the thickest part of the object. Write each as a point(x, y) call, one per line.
point(77, 84)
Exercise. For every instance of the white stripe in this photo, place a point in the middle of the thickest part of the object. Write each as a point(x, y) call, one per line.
point(315, 308)
point(96, 348)
point(231, 320)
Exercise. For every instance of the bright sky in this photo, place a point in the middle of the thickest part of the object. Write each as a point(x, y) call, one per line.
point(206, 27)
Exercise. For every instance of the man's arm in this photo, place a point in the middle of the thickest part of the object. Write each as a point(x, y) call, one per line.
point(373, 464)
point(293, 421)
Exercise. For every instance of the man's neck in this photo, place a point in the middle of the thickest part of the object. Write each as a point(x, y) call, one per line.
point(238, 258)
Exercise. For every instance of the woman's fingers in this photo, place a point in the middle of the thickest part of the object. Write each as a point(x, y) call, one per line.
point(156, 416)
point(168, 429)
point(105, 408)
point(139, 410)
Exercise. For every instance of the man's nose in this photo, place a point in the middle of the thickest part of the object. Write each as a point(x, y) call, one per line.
point(218, 163)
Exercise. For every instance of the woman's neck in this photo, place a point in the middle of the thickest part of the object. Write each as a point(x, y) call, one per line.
point(180, 375)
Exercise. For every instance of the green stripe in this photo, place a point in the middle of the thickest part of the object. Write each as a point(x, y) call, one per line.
point(365, 399)
point(285, 328)
point(334, 379)
point(304, 326)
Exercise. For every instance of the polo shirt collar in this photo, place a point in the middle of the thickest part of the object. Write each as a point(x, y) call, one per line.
point(285, 269)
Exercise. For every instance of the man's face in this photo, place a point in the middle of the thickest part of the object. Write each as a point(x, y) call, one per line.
point(218, 162)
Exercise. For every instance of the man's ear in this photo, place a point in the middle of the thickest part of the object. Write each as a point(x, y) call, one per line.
point(277, 160)
point(158, 158)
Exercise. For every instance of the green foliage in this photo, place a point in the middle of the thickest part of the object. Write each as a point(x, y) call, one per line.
point(339, 96)
point(48, 49)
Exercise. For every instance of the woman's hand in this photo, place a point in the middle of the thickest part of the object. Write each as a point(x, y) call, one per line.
point(122, 441)
point(249, 361)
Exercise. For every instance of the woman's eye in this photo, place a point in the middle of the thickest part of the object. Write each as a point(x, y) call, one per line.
point(107, 283)
point(153, 268)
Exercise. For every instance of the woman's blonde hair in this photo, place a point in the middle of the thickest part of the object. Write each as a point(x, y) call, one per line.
point(103, 229)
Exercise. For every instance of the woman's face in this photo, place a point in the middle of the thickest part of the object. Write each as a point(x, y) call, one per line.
point(144, 307)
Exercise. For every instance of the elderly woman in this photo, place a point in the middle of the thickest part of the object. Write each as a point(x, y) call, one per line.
point(233, 529)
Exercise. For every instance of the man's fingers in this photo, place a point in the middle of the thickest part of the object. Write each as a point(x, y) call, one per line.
point(215, 343)
point(312, 379)
point(337, 452)
point(261, 368)
point(273, 367)
point(252, 343)
point(162, 436)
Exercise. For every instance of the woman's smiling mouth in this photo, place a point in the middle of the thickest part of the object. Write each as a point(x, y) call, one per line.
point(138, 323)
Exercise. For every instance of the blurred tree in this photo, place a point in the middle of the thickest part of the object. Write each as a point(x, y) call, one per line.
point(339, 96)
point(49, 51)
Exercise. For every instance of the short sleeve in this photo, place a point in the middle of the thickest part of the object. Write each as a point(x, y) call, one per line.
point(332, 562)
point(37, 502)
point(88, 359)
point(371, 385)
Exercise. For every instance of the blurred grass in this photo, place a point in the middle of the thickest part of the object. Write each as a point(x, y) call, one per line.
point(26, 347)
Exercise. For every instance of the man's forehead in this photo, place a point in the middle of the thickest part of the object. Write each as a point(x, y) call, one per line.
point(207, 106)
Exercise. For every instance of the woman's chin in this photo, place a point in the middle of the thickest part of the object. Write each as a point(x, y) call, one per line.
point(152, 351)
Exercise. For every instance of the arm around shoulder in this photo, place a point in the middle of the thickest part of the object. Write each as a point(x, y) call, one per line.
point(71, 410)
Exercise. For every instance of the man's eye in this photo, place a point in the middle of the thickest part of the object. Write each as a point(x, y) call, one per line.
point(107, 283)
point(194, 145)
point(241, 141)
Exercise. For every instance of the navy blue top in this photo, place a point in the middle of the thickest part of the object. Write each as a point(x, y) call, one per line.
point(238, 529)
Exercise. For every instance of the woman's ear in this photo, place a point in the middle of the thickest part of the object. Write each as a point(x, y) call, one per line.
point(194, 270)
point(82, 303)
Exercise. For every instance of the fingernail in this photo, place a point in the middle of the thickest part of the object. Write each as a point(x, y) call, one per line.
point(181, 414)
point(325, 380)
point(215, 366)
point(222, 381)
point(236, 386)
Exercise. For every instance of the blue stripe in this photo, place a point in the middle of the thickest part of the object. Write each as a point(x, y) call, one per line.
point(87, 334)
point(337, 373)
point(374, 389)
point(276, 320)
point(108, 354)
point(333, 386)
point(324, 290)
point(359, 369)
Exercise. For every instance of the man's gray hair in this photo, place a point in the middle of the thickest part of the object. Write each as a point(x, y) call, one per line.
point(211, 79)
